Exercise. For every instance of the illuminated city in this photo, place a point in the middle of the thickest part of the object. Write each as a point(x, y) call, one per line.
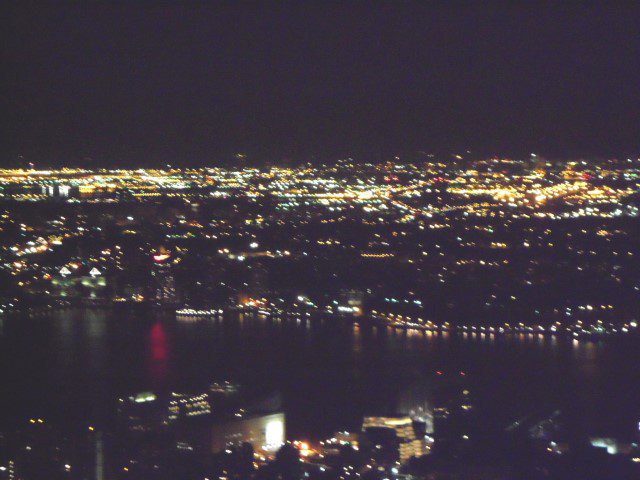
point(440, 223)
point(279, 242)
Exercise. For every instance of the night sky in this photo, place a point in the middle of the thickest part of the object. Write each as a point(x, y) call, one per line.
point(133, 83)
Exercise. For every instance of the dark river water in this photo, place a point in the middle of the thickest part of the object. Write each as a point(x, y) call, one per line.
point(70, 366)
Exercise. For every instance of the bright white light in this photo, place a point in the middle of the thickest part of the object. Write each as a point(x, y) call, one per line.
point(274, 434)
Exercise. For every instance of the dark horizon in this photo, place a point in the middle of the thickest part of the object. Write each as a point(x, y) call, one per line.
point(114, 84)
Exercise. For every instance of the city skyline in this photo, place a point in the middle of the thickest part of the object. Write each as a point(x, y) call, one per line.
point(319, 240)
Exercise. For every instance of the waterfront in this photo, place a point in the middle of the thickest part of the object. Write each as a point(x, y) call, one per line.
point(71, 365)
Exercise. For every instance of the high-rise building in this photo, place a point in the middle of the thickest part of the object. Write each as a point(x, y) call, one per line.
point(139, 413)
point(185, 405)
point(408, 443)
point(164, 283)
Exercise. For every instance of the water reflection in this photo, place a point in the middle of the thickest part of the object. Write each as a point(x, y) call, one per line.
point(158, 349)
point(351, 369)
point(95, 338)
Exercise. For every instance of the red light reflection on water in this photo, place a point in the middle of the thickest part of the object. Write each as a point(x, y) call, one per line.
point(158, 354)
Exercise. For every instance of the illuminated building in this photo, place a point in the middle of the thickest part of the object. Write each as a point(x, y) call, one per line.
point(224, 388)
point(183, 405)
point(59, 191)
point(164, 283)
point(138, 413)
point(7, 470)
point(453, 417)
point(408, 444)
point(416, 402)
point(265, 433)
point(350, 302)
point(78, 282)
